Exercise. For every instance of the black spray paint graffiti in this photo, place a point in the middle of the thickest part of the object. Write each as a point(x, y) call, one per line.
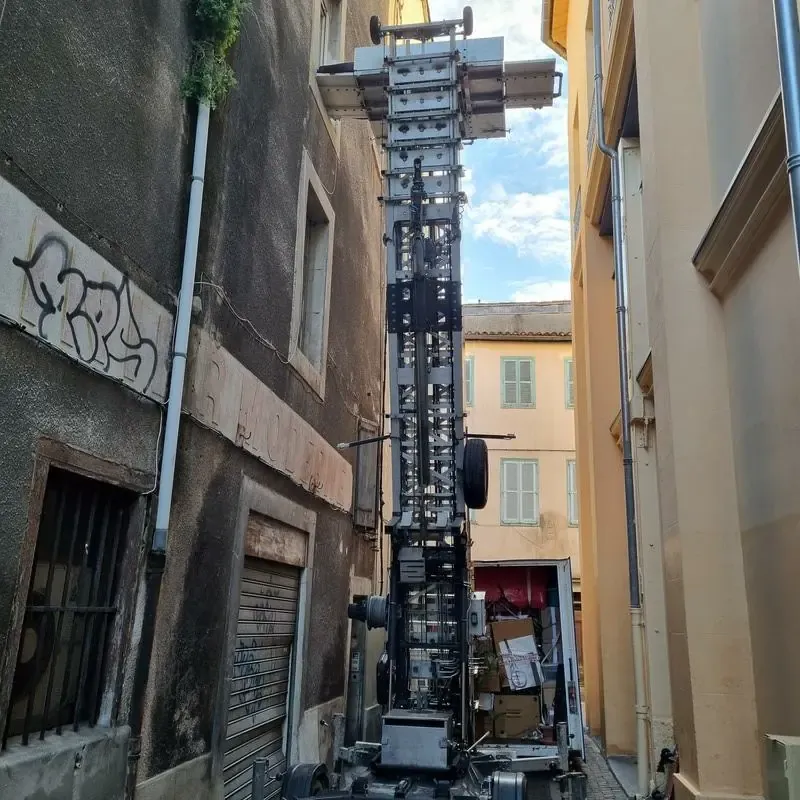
point(98, 337)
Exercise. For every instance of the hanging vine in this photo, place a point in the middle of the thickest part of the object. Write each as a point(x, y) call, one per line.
point(219, 23)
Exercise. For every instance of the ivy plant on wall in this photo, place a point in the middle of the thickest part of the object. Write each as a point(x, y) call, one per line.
point(218, 24)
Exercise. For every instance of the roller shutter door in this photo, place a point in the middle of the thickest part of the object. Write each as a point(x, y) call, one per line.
point(259, 696)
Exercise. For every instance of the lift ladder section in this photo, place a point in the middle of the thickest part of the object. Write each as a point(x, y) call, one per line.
point(423, 100)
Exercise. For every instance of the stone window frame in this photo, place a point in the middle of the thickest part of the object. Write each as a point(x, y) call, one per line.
point(334, 127)
point(49, 454)
point(314, 376)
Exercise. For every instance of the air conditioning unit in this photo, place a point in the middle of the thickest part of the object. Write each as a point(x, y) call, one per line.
point(783, 767)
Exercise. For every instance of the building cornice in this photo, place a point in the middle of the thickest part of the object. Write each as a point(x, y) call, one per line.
point(645, 376)
point(615, 95)
point(755, 201)
point(517, 337)
point(555, 14)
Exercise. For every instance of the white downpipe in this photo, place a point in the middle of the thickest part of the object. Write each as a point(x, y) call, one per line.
point(642, 710)
point(183, 321)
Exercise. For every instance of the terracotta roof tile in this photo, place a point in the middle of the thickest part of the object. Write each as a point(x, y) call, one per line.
point(548, 321)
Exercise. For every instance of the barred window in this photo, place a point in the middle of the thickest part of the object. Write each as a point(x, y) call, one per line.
point(71, 606)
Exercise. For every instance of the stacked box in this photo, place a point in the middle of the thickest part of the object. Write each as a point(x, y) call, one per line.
point(510, 681)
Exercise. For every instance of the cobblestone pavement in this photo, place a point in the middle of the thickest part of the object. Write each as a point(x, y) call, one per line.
point(601, 783)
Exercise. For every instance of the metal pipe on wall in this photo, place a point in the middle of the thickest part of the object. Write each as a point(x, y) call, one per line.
point(637, 626)
point(183, 321)
point(787, 32)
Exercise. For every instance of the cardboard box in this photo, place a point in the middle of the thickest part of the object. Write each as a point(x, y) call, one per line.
point(515, 715)
point(515, 645)
point(484, 723)
point(511, 629)
point(488, 682)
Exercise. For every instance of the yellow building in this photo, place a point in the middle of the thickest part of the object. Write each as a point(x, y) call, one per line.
point(691, 104)
point(518, 380)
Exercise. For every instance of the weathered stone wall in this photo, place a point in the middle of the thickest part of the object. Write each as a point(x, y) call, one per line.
point(97, 139)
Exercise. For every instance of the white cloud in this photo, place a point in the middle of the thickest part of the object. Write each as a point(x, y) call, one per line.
point(534, 224)
point(468, 184)
point(542, 291)
point(541, 131)
point(518, 21)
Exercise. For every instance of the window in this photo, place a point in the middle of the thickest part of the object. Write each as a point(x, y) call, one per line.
point(330, 32)
point(519, 489)
point(569, 382)
point(572, 493)
point(312, 280)
point(519, 383)
point(327, 47)
point(469, 380)
point(71, 606)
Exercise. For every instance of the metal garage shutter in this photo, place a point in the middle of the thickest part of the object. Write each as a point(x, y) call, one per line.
point(258, 706)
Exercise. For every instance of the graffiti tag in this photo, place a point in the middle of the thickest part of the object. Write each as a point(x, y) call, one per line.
point(100, 314)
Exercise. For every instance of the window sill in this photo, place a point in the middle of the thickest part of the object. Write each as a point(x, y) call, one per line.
point(58, 754)
point(334, 130)
point(521, 524)
point(308, 372)
point(527, 408)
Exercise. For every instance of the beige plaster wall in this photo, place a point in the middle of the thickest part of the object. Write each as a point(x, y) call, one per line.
point(762, 325)
point(740, 76)
point(545, 433)
point(707, 619)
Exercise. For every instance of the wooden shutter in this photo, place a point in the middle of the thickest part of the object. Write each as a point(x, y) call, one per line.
point(572, 493)
point(366, 484)
point(510, 491)
point(527, 394)
point(510, 382)
point(469, 381)
point(569, 382)
point(529, 492)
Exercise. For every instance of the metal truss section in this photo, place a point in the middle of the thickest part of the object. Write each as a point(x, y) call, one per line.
point(423, 232)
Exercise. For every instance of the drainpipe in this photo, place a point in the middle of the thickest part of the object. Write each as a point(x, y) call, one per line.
point(637, 622)
point(183, 322)
point(787, 30)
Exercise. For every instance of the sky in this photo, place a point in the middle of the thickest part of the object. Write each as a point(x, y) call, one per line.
point(516, 241)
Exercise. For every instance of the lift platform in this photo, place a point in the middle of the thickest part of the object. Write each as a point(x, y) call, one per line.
point(426, 90)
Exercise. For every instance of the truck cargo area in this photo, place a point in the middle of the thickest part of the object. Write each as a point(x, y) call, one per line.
point(526, 663)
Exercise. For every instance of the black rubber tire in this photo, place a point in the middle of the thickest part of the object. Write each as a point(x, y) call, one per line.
point(375, 29)
point(305, 780)
point(476, 473)
point(469, 21)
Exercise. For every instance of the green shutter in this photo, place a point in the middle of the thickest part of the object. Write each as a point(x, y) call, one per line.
point(509, 490)
point(569, 382)
point(528, 492)
point(510, 382)
point(469, 380)
point(527, 383)
point(572, 493)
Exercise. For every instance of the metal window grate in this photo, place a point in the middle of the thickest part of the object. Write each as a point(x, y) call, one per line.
point(71, 605)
